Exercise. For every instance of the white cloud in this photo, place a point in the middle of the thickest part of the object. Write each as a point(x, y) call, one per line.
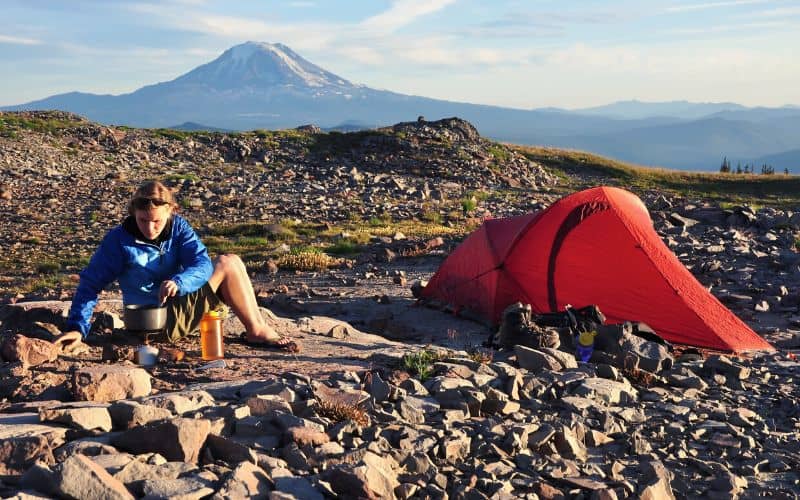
point(16, 40)
point(782, 12)
point(403, 12)
point(674, 62)
point(368, 56)
point(713, 5)
point(738, 29)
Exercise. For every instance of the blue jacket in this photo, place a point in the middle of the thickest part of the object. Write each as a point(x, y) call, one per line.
point(140, 267)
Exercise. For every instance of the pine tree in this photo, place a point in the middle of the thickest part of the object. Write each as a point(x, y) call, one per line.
point(725, 167)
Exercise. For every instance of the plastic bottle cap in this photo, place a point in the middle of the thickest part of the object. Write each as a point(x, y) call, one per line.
point(586, 338)
point(214, 314)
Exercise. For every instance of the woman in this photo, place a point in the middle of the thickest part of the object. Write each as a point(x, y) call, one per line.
point(158, 258)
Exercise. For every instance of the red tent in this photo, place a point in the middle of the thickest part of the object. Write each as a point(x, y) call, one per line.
point(599, 247)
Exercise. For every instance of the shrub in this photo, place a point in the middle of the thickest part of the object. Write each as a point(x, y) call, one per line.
point(343, 247)
point(420, 363)
point(468, 205)
point(308, 260)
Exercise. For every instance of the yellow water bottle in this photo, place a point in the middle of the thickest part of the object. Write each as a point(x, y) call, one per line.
point(211, 336)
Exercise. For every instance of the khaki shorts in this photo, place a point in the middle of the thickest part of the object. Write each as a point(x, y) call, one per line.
point(185, 312)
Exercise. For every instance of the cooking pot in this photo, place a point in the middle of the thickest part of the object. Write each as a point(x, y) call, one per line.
point(142, 318)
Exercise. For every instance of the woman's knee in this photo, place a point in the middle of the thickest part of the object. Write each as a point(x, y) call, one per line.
point(230, 262)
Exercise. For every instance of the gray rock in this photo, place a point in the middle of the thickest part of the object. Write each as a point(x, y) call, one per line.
point(378, 388)
point(129, 414)
point(175, 439)
point(41, 478)
point(82, 479)
point(268, 405)
point(653, 357)
point(568, 444)
point(535, 360)
point(84, 418)
point(609, 391)
point(229, 450)
point(297, 487)
point(185, 488)
point(180, 403)
point(655, 481)
point(440, 384)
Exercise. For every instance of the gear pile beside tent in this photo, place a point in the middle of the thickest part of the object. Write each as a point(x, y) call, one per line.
point(595, 247)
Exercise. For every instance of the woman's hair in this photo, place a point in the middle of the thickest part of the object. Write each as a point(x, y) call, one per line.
point(155, 190)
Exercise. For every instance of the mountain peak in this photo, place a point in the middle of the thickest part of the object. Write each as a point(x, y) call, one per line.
point(262, 65)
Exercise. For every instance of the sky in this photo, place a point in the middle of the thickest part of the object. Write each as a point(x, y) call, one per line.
point(516, 53)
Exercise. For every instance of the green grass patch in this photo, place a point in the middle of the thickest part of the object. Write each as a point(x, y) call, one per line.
point(191, 177)
point(767, 190)
point(500, 152)
point(10, 123)
point(468, 205)
point(281, 232)
point(420, 363)
point(344, 246)
point(48, 267)
point(171, 133)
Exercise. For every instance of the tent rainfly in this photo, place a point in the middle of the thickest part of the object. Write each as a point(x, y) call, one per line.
point(596, 246)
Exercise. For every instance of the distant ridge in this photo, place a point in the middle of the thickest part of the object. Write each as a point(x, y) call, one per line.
point(685, 110)
point(194, 127)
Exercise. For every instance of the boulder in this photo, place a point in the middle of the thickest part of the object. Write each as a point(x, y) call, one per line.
point(245, 481)
point(29, 351)
point(17, 454)
point(609, 391)
point(110, 383)
point(176, 439)
point(129, 414)
point(535, 360)
point(655, 481)
point(180, 403)
point(83, 479)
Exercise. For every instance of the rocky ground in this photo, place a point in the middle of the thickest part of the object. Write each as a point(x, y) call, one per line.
point(346, 418)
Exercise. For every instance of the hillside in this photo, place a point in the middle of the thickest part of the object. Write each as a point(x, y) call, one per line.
point(390, 397)
point(442, 174)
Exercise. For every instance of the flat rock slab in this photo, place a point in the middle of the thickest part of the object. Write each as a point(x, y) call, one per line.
point(187, 488)
point(108, 383)
point(536, 360)
point(28, 424)
point(89, 418)
point(180, 402)
point(609, 391)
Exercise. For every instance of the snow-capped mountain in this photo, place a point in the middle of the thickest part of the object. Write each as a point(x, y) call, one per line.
point(262, 85)
point(262, 65)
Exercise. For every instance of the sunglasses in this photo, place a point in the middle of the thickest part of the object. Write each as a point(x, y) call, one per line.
point(144, 203)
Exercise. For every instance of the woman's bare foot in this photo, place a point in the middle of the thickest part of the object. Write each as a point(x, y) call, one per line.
point(268, 337)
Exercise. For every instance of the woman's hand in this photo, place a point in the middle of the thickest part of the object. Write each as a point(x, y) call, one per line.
point(168, 289)
point(69, 341)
